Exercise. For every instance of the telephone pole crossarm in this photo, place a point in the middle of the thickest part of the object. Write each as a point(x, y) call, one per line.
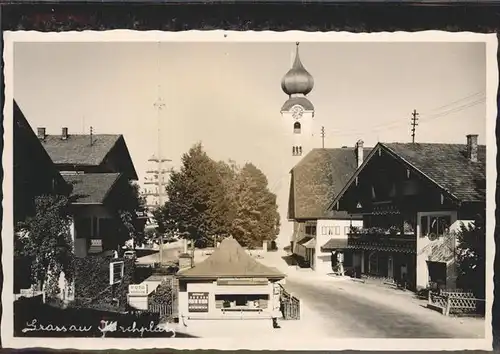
point(414, 120)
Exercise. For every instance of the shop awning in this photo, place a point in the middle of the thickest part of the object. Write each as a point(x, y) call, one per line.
point(334, 244)
point(304, 240)
point(382, 248)
point(310, 244)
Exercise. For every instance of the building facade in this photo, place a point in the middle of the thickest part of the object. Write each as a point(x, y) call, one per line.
point(298, 129)
point(229, 284)
point(315, 181)
point(413, 198)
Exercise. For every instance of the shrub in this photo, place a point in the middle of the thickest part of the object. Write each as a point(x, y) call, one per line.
point(92, 288)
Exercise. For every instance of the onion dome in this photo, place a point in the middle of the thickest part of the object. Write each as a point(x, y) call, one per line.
point(297, 80)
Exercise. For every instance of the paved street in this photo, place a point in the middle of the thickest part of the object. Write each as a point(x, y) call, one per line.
point(170, 253)
point(348, 309)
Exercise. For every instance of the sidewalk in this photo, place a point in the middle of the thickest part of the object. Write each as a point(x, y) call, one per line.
point(255, 328)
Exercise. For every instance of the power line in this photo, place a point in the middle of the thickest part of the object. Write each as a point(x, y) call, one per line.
point(479, 93)
point(351, 132)
point(423, 118)
point(456, 109)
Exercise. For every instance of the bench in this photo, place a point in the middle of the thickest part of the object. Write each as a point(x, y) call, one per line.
point(453, 302)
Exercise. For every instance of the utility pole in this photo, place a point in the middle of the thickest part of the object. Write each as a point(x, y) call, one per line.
point(414, 119)
point(159, 105)
point(323, 137)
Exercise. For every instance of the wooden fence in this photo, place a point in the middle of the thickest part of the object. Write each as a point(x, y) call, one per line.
point(455, 302)
point(290, 305)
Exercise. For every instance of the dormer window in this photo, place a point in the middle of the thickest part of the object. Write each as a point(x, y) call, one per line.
point(296, 128)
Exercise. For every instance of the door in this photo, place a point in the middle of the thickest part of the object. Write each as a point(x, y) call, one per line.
point(390, 267)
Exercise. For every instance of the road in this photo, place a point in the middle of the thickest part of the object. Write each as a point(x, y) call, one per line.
point(348, 309)
point(360, 310)
point(170, 253)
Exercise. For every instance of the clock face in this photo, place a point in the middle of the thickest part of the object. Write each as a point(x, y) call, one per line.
point(297, 112)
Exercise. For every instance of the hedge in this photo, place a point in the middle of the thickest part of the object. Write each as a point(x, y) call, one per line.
point(92, 288)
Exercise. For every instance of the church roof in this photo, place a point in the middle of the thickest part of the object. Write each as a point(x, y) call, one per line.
point(297, 80)
point(232, 261)
point(317, 179)
point(301, 101)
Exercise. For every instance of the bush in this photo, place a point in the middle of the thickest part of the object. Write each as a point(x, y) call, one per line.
point(164, 294)
point(92, 288)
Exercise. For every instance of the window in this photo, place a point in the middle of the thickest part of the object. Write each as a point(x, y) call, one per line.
point(337, 230)
point(311, 230)
point(296, 128)
point(434, 225)
point(83, 227)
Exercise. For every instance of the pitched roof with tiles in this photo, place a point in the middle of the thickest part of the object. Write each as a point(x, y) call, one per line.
point(230, 260)
point(91, 188)
point(447, 166)
point(77, 149)
point(317, 179)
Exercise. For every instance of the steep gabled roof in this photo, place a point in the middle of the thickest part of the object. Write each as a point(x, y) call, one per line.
point(230, 260)
point(77, 149)
point(444, 165)
point(447, 165)
point(317, 179)
point(91, 188)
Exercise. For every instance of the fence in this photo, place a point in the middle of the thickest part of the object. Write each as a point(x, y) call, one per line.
point(290, 305)
point(456, 302)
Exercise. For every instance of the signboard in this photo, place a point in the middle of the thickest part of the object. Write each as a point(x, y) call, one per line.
point(242, 281)
point(138, 289)
point(116, 272)
point(95, 246)
point(27, 292)
point(198, 302)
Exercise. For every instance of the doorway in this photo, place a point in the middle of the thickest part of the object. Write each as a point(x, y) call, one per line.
point(390, 267)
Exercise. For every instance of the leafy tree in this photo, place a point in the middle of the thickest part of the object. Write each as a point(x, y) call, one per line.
point(209, 199)
point(131, 202)
point(257, 217)
point(471, 257)
point(44, 239)
point(189, 211)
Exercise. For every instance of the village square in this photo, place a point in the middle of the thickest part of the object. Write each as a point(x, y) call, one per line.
point(384, 239)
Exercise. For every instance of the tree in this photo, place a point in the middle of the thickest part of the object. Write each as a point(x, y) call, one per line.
point(471, 257)
point(191, 209)
point(257, 217)
point(44, 239)
point(131, 203)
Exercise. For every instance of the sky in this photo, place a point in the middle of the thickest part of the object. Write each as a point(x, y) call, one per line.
point(228, 95)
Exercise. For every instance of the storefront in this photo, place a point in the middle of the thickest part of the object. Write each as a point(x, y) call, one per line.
point(227, 285)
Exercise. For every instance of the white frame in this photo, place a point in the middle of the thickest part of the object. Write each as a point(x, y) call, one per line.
point(122, 264)
point(452, 214)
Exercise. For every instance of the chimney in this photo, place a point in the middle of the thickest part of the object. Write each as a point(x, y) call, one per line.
point(359, 152)
point(41, 133)
point(472, 147)
point(64, 134)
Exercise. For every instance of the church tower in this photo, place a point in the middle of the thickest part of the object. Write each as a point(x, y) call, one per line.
point(298, 111)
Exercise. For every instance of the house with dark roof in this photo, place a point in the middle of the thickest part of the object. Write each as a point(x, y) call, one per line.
point(100, 171)
point(315, 181)
point(229, 284)
point(34, 175)
point(34, 172)
point(412, 197)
